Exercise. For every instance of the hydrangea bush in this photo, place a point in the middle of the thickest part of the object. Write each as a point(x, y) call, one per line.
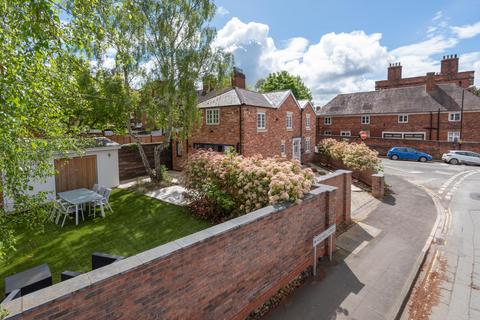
point(356, 156)
point(236, 185)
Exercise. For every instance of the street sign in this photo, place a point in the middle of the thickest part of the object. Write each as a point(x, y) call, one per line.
point(318, 239)
point(363, 135)
point(324, 235)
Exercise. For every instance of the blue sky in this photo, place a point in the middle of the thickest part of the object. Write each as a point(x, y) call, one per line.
point(344, 46)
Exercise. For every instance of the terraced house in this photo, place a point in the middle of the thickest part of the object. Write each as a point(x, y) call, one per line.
point(270, 124)
point(435, 107)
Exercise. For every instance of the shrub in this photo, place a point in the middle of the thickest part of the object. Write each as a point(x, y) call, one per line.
point(356, 156)
point(236, 185)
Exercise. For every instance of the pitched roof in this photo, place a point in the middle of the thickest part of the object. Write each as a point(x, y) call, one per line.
point(446, 97)
point(237, 96)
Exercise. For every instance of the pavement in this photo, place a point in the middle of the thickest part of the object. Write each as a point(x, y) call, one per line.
point(448, 286)
point(375, 262)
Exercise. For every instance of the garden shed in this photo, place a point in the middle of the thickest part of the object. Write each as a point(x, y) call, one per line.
point(98, 164)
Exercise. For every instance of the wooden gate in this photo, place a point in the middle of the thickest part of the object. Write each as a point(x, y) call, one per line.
point(74, 173)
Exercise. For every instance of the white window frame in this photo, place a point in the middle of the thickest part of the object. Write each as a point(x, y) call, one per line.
point(345, 133)
point(289, 120)
point(403, 118)
point(327, 133)
point(308, 146)
point(450, 114)
point(403, 135)
point(365, 117)
point(307, 121)
point(329, 122)
point(452, 135)
point(283, 149)
point(210, 116)
point(262, 113)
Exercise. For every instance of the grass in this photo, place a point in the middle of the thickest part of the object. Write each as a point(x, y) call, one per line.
point(137, 223)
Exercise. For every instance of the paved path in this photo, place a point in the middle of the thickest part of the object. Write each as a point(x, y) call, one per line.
point(372, 282)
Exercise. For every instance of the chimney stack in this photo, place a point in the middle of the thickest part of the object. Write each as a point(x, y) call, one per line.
point(238, 78)
point(394, 71)
point(449, 64)
point(430, 82)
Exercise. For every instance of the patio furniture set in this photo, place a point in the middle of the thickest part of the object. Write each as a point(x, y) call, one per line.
point(76, 201)
point(39, 277)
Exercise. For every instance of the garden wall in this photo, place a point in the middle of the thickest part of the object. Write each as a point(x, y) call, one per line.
point(130, 163)
point(364, 176)
point(342, 180)
point(434, 148)
point(223, 272)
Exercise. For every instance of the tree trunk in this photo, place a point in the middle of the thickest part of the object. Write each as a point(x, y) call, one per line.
point(151, 173)
point(158, 169)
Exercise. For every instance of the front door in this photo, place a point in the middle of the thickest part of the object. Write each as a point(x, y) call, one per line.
point(297, 146)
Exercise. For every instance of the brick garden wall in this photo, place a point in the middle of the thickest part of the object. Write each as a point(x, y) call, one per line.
point(223, 272)
point(342, 180)
point(435, 148)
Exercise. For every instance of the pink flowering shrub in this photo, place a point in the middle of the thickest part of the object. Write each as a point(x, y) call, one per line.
point(239, 185)
point(355, 156)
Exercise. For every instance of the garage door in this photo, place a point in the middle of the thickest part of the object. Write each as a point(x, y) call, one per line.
point(74, 173)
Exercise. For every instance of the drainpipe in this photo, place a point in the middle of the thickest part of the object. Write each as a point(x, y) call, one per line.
point(301, 136)
point(461, 120)
point(240, 149)
point(438, 125)
point(431, 126)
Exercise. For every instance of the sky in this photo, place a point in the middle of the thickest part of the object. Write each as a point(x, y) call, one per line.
point(344, 46)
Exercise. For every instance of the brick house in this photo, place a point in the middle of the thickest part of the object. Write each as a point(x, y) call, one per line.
point(270, 124)
point(448, 74)
point(436, 110)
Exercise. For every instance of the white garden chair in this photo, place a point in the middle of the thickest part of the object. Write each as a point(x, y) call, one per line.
point(66, 209)
point(104, 201)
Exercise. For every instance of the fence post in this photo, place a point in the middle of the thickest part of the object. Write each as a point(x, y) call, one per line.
point(378, 185)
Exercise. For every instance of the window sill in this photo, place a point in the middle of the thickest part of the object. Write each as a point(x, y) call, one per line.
point(212, 124)
point(261, 130)
point(283, 155)
point(289, 129)
point(307, 128)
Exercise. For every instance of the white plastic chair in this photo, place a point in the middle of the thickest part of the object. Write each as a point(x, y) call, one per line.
point(104, 200)
point(66, 209)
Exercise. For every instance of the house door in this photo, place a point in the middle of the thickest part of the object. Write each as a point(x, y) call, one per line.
point(74, 173)
point(297, 146)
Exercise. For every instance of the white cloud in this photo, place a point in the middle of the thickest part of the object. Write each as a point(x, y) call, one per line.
point(471, 61)
point(339, 62)
point(222, 11)
point(467, 31)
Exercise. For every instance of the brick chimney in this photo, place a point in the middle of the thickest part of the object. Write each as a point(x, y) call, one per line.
point(394, 71)
point(430, 81)
point(238, 78)
point(449, 64)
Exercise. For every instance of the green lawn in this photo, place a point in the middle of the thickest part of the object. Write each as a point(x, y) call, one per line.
point(137, 223)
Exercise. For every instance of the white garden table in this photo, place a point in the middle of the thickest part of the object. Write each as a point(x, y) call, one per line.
point(80, 196)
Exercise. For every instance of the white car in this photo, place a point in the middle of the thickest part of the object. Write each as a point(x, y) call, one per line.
point(461, 156)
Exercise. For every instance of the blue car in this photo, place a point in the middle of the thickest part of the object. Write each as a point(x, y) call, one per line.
point(403, 153)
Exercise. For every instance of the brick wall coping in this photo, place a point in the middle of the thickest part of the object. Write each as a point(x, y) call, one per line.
point(63, 289)
point(336, 173)
point(379, 175)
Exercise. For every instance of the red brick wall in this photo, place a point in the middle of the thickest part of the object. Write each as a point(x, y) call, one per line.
point(416, 123)
point(463, 79)
point(343, 181)
point(226, 132)
point(267, 143)
point(434, 148)
point(223, 272)
point(307, 157)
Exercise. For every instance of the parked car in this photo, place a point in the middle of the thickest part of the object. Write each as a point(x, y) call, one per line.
point(461, 156)
point(404, 153)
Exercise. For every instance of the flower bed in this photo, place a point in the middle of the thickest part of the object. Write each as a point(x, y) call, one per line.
point(227, 185)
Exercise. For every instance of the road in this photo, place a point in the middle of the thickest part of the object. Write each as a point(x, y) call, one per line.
point(449, 287)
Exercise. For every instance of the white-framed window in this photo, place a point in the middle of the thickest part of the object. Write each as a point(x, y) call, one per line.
point(261, 121)
point(282, 148)
point(365, 119)
point(327, 121)
point(403, 118)
point(307, 145)
point(454, 116)
point(327, 133)
point(345, 133)
point(307, 121)
point(212, 116)
point(403, 135)
point(289, 120)
point(453, 136)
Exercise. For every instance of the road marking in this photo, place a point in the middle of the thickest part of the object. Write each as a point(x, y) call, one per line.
point(442, 172)
point(450, 180)
point(404, 171)
point(450, 193)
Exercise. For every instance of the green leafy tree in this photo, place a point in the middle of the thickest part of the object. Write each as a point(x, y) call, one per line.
point(284, 81)
point(476, 91)
point(166, 47)
point(39, 53)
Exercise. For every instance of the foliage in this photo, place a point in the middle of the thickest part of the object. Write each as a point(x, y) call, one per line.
point(39, 53)
point(236, 185)
point(356, 156)
point(475, 91)
point(138, 223)
point(3, 313)
point(284, 81)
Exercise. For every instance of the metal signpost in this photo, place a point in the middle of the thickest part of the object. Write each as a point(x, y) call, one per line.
point(328, 233)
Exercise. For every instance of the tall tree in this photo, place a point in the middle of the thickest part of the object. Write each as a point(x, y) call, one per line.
point(284, 81)
point(36, 61)
point(167, 44)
